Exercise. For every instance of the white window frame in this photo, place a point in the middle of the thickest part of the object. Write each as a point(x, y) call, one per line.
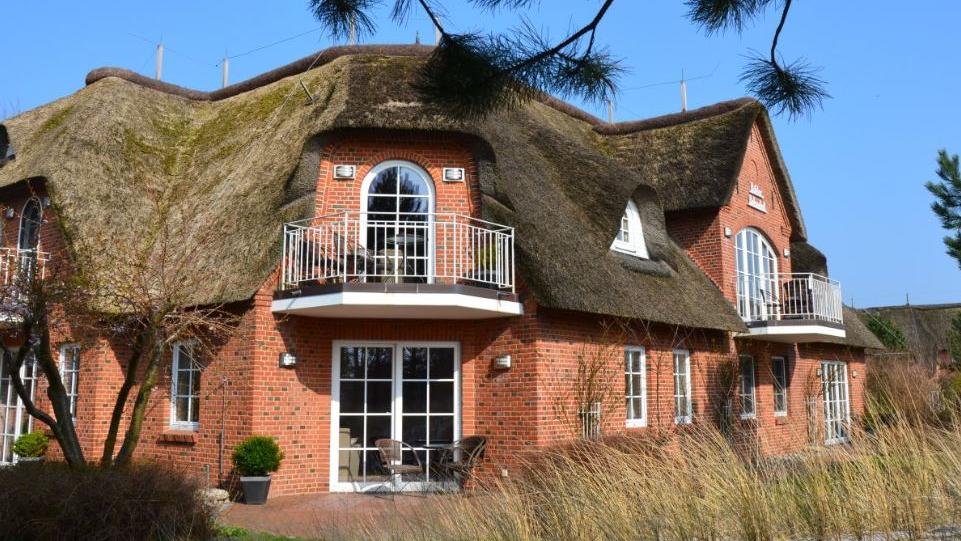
point(397, 380)
point(630, 393)
point(837, 393)
point(747, 395)
point(778, 388)
point(634, 245)
point(756, 269)
point(70, 374)
point(192, 401)
point(687, 416)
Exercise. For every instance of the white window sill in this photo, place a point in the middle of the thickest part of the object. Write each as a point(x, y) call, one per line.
point(193, 427)
point(636, 423)
point(748, 416)
point(780, 414)
point(682, 420)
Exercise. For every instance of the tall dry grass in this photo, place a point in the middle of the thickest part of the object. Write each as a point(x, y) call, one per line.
point(901, 481)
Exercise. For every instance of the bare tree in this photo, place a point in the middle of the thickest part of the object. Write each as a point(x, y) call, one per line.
point(147, 290)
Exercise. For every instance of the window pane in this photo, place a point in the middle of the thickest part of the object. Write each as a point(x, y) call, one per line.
point(385, 183)
point(441, 428)
point(442, 363)
point(351, 363)
point(352, 397)
point(441, 397)
point(415, 430)
point(415, 396)
point(181, 408)
point(195, 410)
point(378, 427)
point(412, 183)
point(351, 431)
point(379, 362)
point(415, 363)
point(379, 399)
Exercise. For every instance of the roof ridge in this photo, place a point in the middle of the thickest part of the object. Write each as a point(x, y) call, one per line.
point(673, 119)
point(325, 56)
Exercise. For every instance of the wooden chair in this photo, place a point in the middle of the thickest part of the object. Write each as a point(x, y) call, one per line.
point(391, 459)
point(459, 460)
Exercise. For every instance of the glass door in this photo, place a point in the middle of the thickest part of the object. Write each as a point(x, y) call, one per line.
point(402, 391)
point(837, 412)
point(14, 420)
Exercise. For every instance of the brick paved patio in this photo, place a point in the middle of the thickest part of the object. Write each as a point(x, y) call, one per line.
point(312, 516)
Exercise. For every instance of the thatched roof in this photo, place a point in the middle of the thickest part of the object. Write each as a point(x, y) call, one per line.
point(693, 158)
point(925, 327)
point(241, 155)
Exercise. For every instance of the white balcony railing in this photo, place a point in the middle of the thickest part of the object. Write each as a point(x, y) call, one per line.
point(17, 264)
point(414, 248)
point(794, 296)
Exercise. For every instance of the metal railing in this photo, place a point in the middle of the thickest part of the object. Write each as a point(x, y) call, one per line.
point(17, 264)
point(788, 296)
point(398, 248)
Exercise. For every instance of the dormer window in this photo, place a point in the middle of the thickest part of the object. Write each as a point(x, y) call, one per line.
point(630, 235)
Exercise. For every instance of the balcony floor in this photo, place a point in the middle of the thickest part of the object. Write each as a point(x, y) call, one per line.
point(795, 331)
point(397, 301)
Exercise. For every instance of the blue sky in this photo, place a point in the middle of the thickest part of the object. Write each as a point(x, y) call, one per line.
point(858, 165)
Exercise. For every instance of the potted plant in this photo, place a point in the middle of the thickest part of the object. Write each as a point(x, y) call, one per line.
point(31, 447)
point(255, 459)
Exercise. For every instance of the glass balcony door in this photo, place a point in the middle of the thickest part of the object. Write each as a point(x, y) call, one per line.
point(402, 391)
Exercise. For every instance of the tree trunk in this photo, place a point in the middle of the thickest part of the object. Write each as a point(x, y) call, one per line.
point(62, 427)
point(130, 378)
point(132, 437)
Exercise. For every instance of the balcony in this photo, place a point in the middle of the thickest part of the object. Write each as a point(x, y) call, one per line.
point(17, 268)
point(398, 265)
point(797, 307)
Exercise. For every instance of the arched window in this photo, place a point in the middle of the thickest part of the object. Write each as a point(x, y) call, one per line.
point(30, 220)
point(630, 235)
point(398, 202)
point(757, 284)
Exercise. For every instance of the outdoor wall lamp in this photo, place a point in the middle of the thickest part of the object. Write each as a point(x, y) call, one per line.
point(502, 362)
point(287, 360)
point(344, 171)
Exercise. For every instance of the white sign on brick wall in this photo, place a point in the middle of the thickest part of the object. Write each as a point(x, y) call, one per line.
point(755, 198)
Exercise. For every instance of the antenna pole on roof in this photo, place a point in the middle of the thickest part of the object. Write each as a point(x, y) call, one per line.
point(160, 61)
point(417, 37)
point(683, 93)
point(610, 111)
point(225, 79)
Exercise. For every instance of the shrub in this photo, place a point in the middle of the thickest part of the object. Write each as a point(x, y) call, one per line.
point(257, 456)
point(53, 501)
point(33, 444)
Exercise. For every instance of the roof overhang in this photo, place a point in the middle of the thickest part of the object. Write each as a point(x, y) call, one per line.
point(397, 301)
point(795, 331)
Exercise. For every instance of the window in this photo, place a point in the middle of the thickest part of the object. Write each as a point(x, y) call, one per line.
point(757, 285)
point(185, 391)
point(70, 373)
point(837, 407)
point(630, 236)
point(398, 199)
point(30, 220)
point(682, 387)
point(779, 369)
point(635, 386)
point(746, 391)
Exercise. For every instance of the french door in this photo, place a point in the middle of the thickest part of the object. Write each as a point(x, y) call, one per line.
point(837, 407)
point(14, 419)
point(403, 391)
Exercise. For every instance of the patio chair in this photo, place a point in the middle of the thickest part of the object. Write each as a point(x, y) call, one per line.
point(391, 459)
point(458, 461)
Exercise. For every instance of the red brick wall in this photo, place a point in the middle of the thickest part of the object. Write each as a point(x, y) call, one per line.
point(701, 232)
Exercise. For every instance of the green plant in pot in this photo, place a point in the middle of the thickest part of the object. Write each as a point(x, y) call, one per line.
point(255, 459)
point(31, 447)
